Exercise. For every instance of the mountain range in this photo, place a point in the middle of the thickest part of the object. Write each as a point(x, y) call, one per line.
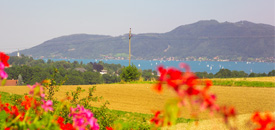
point(207, 38)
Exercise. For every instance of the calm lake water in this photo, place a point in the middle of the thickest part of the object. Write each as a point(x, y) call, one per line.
point(196, 66)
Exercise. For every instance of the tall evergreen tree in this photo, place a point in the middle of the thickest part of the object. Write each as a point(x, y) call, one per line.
point(20, 80)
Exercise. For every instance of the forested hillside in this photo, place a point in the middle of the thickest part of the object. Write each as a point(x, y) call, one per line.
point(240, 40)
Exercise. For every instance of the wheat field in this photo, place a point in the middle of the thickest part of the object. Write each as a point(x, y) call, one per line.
point(142, 99)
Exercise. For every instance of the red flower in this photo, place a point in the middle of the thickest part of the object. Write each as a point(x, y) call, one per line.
point(156, 120)
point(14, 112)
point(192, 91)
point(8, 128)
point(28, 103)
point(174, 74)
point(109, 128)
point(67, 126)
point(6, 108)
point(4, 59)
point(158, 87)
point(163, 73)
point(63, 126)
point(192, 81)
point(266, 121)
point(60, 120)
point(228, 112)
point(208, 84)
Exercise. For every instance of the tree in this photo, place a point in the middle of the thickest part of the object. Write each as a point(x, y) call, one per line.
point(271, 73)
point(89, 67)
point(130, 73)
point(98, 67)
point(252, 75)
point(20, 80)
point(223, 73)
point(92, 77)
point(148, 75)
point(74, 80)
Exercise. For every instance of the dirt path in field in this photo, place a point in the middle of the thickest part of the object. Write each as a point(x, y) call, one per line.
point(140, 97)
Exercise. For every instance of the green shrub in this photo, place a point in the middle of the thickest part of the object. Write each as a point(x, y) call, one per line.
point(130, 73)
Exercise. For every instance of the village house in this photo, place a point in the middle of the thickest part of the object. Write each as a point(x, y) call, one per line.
point(103, 72)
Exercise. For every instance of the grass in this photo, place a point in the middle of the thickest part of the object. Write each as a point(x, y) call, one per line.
point(247, 82)
point(8, 97)
point(243, 83)
point(260, 79)
point(136, 82)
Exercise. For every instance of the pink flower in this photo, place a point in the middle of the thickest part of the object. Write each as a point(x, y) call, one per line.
point(82, 118)
point(47, 105)
point(3, 74)
point(186, 67)
point(2, 66)
point(32, 89)
point(36, 89)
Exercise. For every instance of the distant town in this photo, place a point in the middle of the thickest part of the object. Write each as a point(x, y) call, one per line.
point(192, 58)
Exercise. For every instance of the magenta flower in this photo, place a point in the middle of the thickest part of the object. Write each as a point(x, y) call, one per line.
point(47, 105)
point(32, 89)
point(2, 66)
point(3, 74)
point(82, 118)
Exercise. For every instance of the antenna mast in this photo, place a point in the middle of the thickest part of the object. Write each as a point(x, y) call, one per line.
point(130, 47)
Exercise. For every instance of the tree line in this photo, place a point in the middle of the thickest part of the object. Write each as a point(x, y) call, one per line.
point(28, 71)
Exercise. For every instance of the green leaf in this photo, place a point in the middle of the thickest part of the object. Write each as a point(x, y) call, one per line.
point(4, 82)
point(3, 116)
point(171, 111)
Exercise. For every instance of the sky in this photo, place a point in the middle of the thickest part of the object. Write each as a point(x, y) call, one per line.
point(27, 23)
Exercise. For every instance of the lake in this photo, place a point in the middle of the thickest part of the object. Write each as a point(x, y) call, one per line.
point(196, 66)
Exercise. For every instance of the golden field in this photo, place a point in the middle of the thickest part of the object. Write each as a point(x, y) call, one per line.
point(261, 79)
point(142, 99)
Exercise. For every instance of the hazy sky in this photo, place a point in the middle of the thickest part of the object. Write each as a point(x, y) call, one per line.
point(27, 23)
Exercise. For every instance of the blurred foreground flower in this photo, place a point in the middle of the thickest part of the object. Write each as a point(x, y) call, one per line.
point(3, 63)
point(191, 92)
point(36, 90)
point(82, 118)
point(3, 74)
point(4, 59)
point(47, 105)
point(63, 126)
point(265, 121)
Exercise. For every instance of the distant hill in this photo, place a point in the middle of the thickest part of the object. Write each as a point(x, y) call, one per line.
point(207, 38)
